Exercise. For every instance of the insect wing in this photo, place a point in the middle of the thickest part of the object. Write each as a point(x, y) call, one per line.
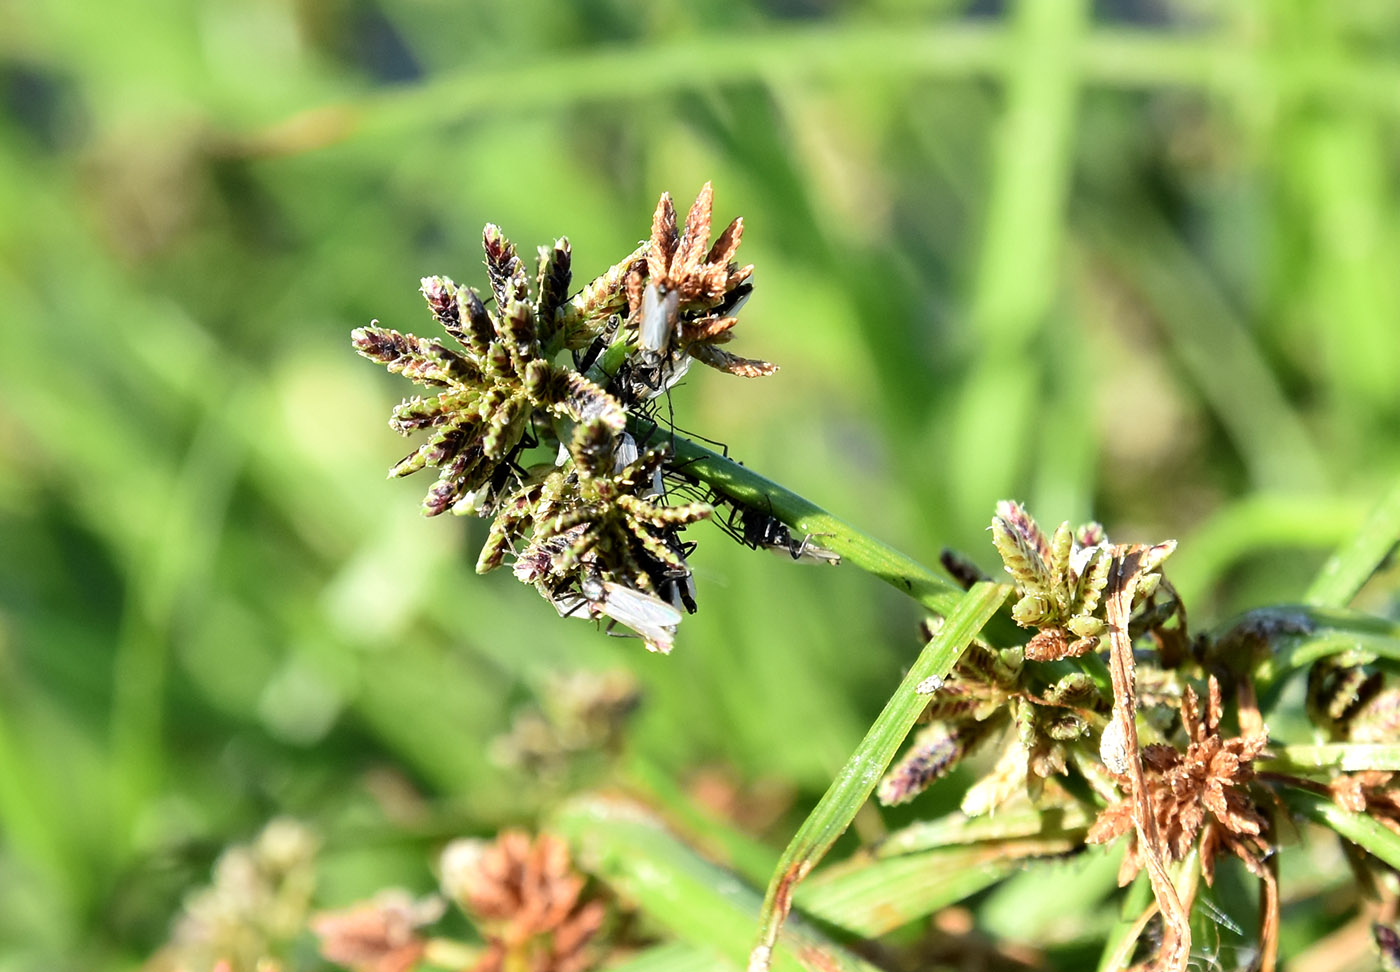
point(765, 530)
point(653, 619)
point(809, 551)
point(625, 451)
point(570, 605)
point(658, 319)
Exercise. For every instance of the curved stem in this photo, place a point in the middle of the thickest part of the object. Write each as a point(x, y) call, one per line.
point(741, 485)
point(861, 773)
point(1284, 638)
point(1359, 828)
point(1348, 569)
point(1114, 58)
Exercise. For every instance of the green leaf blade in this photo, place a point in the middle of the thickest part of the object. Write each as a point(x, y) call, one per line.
point(858, 778)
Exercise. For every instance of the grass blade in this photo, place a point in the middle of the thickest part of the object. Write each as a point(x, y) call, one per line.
point(1344, 757)
point(1138, 907)
point(1355, 561)
point(1108, 57)
point(1358, 828)
point(743, 485)
point(1250, 526)
point(702, 904)
point(1016, 277)
point(857, 779)
point(750, 858)
point(1006, 824)
point(871, 897)
point(671, 957)
point(1215, 347)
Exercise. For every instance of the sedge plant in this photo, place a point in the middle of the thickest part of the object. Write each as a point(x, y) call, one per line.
point(1091, 711)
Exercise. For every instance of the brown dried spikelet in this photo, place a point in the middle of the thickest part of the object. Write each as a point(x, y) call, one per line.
point(527, 899)
point(380, 935)
point(1369, 792)
point(708, 284)
point(1201, 791)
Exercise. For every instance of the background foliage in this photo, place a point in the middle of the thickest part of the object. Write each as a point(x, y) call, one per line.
point(1132, 261)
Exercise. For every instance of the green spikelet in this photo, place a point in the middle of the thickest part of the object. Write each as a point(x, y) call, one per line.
point(592, 449)
point(552, 288)
point(478, 329)
point(518, 332)
point(1089, 586)
point(585, 315)
point(1033, 610)
point(1007, 777)
point(467, 471)
point(425, 361)
point(493, 551)
point(1022, 547)
point(504, 270)
point(1061, 546)
point(420, 413)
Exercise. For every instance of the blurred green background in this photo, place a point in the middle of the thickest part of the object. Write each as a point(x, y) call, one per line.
point(1133, 260)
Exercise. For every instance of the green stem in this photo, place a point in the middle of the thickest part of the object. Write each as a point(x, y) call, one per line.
point(1358, 828)
point(741, 485)
point(858, 778)
point(608, 362)
point(1331, 757)
point(1293, 636)
point(1348, 569)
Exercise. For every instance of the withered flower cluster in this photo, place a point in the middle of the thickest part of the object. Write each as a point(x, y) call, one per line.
point(522, 894)
point(533, 373)
point(1141, 742)
point(527, 900)
point(1203, 790)
point(1055, 724)
point(253, 908)
point(379, 935)
point(687, 299)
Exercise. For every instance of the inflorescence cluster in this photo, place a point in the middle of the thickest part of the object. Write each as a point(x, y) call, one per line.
point(527, 411)
point(1056, 726)
point(1050, 717)
point(533, 419)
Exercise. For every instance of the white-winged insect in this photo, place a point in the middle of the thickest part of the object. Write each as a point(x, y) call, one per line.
point(658, 323)
point(759, 529)
point(651, 618)
point(929, 685)
point(625, 452)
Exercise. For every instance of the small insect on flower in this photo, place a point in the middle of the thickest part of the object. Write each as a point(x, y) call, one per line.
point(929, 685)
point(651, 618)
point(764, 530)
point(658, 325)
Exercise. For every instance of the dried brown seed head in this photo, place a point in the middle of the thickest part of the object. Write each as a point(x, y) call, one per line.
point(526, 897)
point(1206, 784)
point(379, 935)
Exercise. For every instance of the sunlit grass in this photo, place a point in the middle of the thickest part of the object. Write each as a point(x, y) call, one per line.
point(1139, 272)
